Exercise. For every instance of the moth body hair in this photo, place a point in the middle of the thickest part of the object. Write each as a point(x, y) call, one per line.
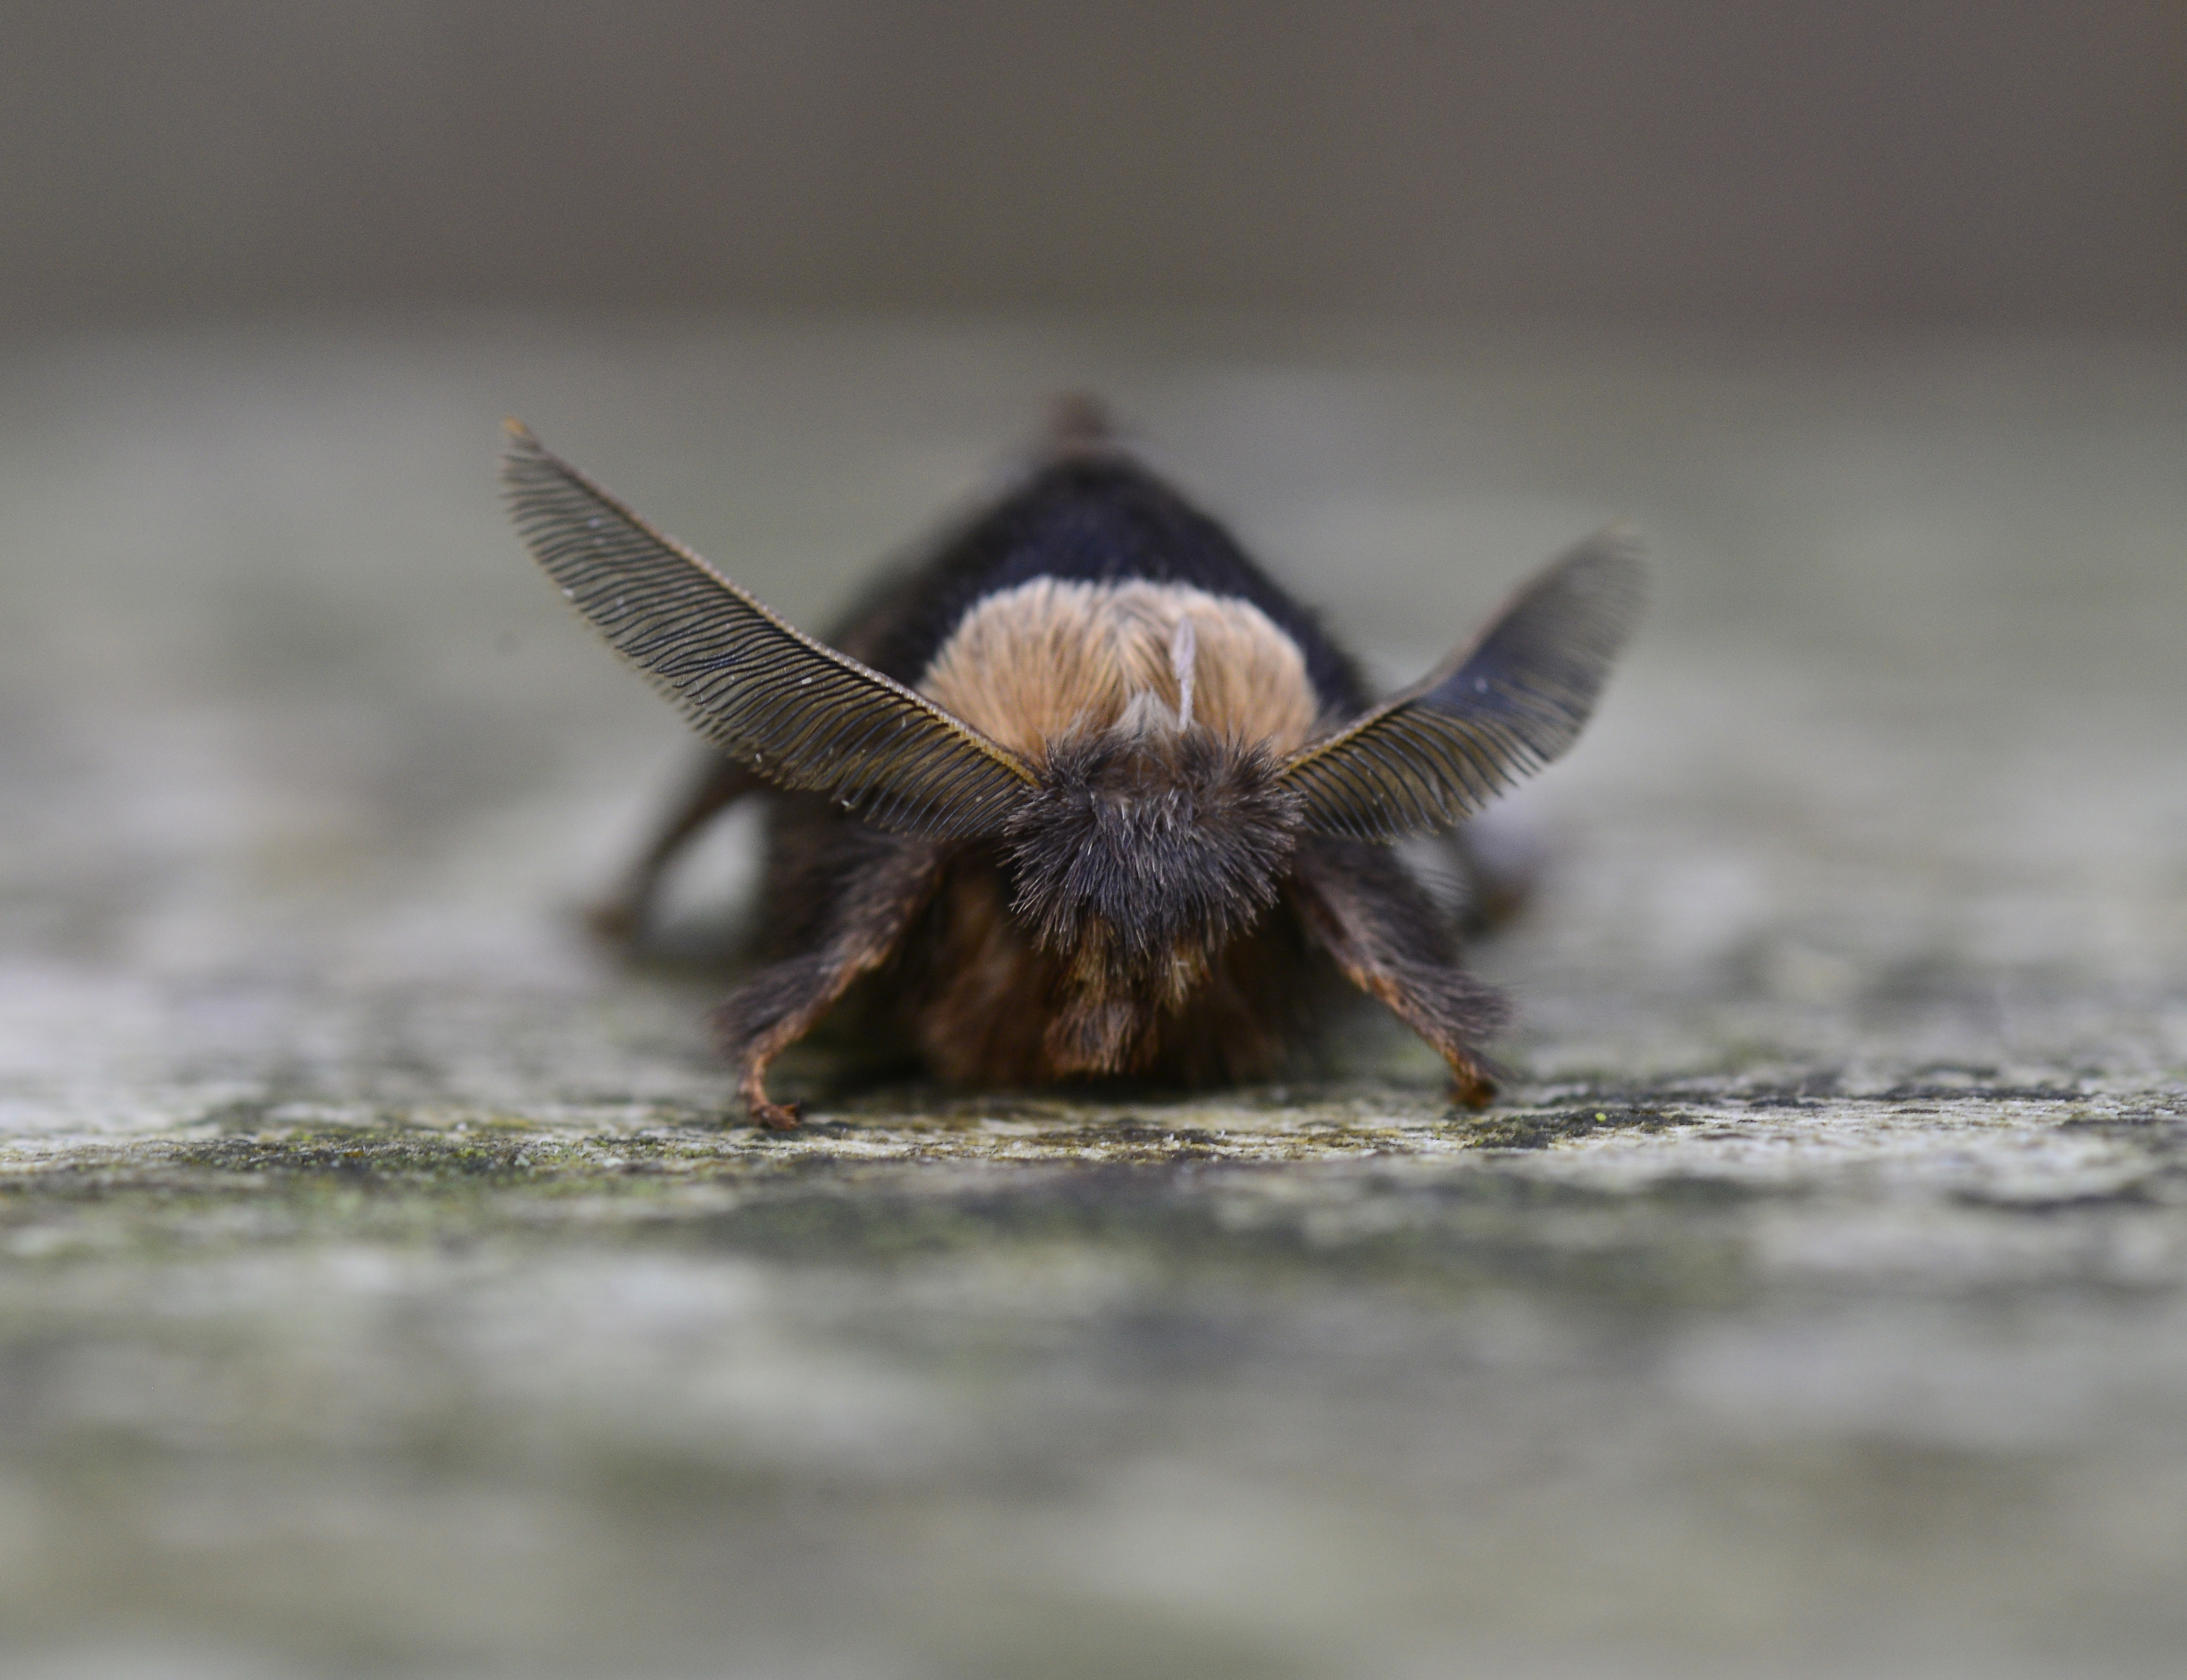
point(1082, 792)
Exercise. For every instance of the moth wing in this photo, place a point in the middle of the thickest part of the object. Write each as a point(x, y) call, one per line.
point(797, 711)
point(1497, 710)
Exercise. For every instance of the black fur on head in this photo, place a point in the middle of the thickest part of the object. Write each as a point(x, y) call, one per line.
point(1141, 854)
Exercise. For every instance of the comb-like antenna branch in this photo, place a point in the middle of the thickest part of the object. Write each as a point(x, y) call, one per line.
point(798, 712)
point(1432, 754)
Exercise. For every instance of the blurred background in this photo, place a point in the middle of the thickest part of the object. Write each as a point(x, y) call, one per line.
point(379, 1291)
point(1694, 163)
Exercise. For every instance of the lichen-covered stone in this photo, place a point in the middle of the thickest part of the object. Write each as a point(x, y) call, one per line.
point(385, 1286)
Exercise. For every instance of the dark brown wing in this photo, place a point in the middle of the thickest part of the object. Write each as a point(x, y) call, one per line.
point(797, 711)
point(1431, 756)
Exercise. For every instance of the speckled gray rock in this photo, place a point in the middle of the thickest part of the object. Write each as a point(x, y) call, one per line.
point(380, 1291)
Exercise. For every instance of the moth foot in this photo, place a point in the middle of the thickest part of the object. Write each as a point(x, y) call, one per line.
point(777, 1116)
point(1471, 1086)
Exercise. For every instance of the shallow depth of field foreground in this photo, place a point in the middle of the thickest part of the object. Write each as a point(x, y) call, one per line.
point(381, 1291)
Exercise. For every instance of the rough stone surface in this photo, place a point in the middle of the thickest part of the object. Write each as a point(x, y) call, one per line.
point(380, 1292)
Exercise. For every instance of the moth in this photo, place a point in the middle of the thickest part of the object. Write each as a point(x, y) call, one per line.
point(1084, 792)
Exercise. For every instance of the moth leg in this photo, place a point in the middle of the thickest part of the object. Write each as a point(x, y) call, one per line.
point(1384, 932)
point(886, 881)
point(720, 782)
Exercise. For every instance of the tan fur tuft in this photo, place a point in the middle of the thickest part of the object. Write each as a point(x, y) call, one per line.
point(1054, 658)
